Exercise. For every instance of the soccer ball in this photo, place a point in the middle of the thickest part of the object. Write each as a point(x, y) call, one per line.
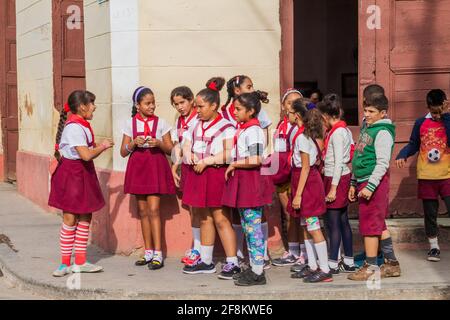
point(434, 155)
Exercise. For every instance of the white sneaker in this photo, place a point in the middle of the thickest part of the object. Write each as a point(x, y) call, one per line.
point(86, 268)
point(61, 271)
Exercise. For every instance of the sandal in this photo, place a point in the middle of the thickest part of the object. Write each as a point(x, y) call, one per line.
point(142, 262)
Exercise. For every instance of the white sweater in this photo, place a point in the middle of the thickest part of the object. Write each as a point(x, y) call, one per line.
point(338, 155)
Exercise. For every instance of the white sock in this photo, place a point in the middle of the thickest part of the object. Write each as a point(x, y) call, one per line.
point(148, 255)
point(339, 253)
point(265, 230)
point(312, 260)
point(206, 254)
point(349, 261)
point(233, 260)
point(322, 253)
point(332, 264)
point(434, 243)
point(303, 250)
point(157, 255)
point(258, 269)
point(239, 240)
point(196, 237)
point(294, 248)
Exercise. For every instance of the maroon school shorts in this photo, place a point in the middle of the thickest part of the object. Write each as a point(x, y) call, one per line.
point(432, 189)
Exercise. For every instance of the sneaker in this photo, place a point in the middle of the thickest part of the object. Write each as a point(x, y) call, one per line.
point(62, 270)
point(249, 278)
point(390, 269)
point(186, 256)
point(434, 255)
point(319, 276)
point(297, 267)
point(345, 268)
point(156, 264)
point(364, 273)
point(193, 259)
point(229, 270)
point(200, 267)
point(334, 271)
point(267, 264)
point(142, 261)
point(305, 272)
point(286, 260)
point(86, 268)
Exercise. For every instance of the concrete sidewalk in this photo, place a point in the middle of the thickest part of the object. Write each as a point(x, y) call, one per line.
point(34, 234)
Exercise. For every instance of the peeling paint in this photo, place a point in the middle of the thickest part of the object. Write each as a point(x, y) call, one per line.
point(29, 106)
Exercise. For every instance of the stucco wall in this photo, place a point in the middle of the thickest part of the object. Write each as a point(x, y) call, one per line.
point(37, 119)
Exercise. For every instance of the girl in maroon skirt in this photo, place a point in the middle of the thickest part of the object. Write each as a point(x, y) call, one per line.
point(146, 139)
point(182, 99)
point(337, 154)
point(307, 199)
point(74, 185)
point(246, 189)
point(205, 150)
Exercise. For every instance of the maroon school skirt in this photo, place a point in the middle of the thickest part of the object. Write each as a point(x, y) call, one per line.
point(184, 171)
point(341, 193)
point(313, 197)
point(248, 189)
point(432, 189)
point(75, 187)
point(277, 168)
point(148, 172)
point(204, 190)
point(373, 212)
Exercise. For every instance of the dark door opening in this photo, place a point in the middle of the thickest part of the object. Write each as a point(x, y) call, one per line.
point(326, 50)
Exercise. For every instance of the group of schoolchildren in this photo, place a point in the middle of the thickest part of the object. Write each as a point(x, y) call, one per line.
point(226, 179)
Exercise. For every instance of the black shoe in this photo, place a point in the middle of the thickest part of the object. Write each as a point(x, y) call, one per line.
point(229, 271)
point(346, 268)
point(318, 276)
point(434, 255)
point(298, 267)
point(306, 271)
point(249, 278)
point(155, 264)
point(334, 271)
point(200, 267)
point(142, 262)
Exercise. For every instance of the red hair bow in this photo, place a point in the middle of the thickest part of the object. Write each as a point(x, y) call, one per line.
point(213, 86)
point(66, 108)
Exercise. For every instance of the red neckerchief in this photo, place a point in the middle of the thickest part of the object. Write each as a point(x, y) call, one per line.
point(282, 128)
point(299, 132)
point(183, 123)
point(340, 124)
point(216, 120)
point(242, 127)
point(74, 118)
point(145, 121)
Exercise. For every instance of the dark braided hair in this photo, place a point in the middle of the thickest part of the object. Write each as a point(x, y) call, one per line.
point(75, 100)
point(212, 96)
point(138, 95)
point(236, 82)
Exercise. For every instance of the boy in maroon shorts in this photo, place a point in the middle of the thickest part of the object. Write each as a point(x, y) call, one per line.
point(370, 186)
point(431, 138)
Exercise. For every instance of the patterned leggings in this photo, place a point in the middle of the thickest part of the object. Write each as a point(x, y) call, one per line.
point(251, 224)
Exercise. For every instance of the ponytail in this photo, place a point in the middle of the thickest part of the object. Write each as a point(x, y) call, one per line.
point(61, 123)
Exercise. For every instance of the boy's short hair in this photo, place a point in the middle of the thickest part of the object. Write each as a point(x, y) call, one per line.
point(372, 89)
point(378, 101)
point(436, 98)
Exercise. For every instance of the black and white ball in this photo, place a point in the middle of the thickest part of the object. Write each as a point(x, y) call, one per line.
point(434, 155)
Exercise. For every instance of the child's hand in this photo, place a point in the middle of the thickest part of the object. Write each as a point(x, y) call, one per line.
point(352, 194)
point(154, 143)
point(332, 194)
point(296, 202)
point(139, 141)
point(200, 166)
point(400, 163)
point(176, 177)
point(229, 172)
point(365, 193)
point(107, 143)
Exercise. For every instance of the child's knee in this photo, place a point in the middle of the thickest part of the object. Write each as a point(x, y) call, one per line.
point(154, 213)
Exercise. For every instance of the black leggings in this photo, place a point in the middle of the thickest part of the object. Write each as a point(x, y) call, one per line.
point(430, 208)
point(339, 228)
